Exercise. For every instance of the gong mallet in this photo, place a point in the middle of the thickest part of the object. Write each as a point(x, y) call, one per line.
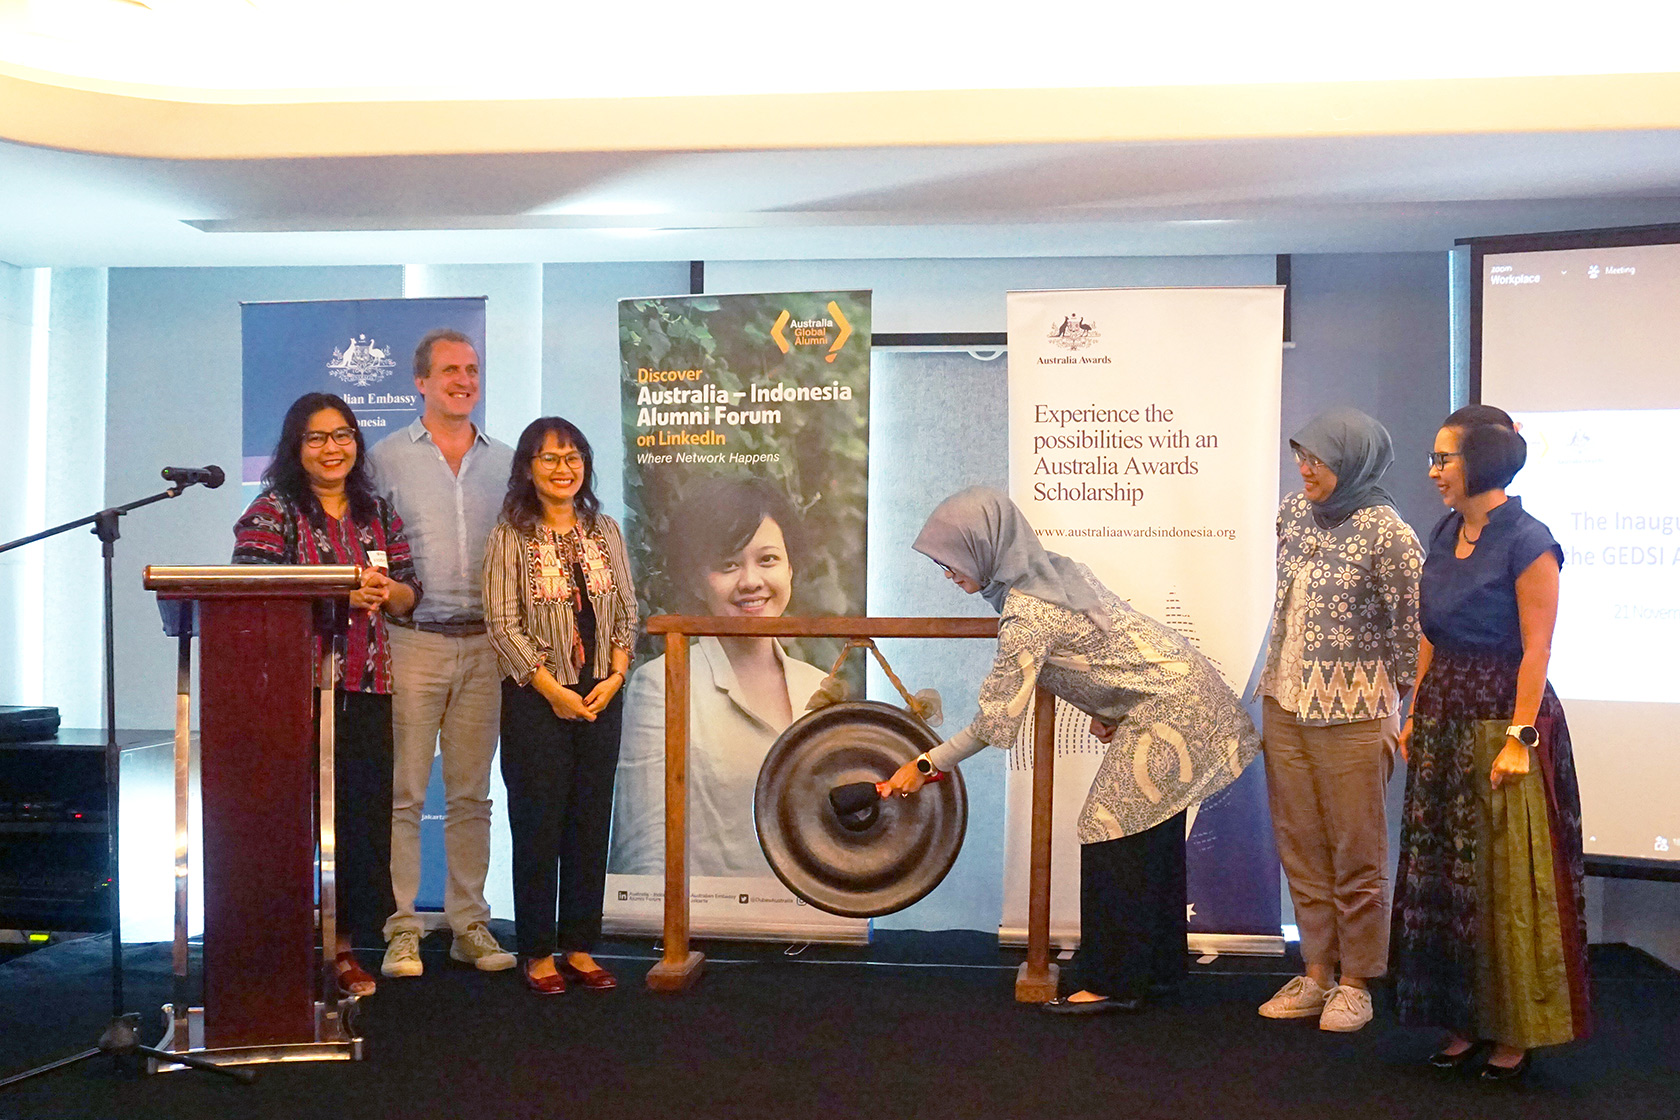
point(858, 803)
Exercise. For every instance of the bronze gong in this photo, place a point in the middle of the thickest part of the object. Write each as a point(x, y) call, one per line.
point(864, 863)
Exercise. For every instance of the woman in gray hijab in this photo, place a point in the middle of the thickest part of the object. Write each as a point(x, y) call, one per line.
point(1341, 659)
point(1175, 736)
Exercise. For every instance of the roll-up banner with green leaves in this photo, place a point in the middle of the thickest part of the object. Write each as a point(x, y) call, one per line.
point(746, 434)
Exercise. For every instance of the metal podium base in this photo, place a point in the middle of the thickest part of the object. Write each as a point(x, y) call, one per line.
point(333, 1041)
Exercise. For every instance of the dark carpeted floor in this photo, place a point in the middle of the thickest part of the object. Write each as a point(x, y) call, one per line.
point(919, 1025)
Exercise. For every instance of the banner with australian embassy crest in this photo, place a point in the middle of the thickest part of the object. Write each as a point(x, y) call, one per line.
point(362, 350)
point(746, 482)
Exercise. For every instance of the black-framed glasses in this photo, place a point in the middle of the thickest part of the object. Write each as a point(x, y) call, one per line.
point(1438, 459)
point(553, 459)
point(344, 437)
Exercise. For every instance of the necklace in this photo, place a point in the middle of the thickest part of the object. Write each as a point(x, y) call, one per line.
point(1464, 534)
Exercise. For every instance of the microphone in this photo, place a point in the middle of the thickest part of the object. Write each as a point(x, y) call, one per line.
point(209, 477)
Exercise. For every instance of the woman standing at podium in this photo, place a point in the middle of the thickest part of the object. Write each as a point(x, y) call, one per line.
point(319, 507)
point(561, 613)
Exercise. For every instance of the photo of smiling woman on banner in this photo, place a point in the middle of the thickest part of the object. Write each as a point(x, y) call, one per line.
point(735, 550)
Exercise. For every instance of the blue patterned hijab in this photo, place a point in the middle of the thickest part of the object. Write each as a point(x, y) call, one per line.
point(979, 533)
point(1358, 450)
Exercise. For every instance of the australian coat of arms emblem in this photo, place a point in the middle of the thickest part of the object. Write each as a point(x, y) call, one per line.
point(1073, 333)
point(362, 362)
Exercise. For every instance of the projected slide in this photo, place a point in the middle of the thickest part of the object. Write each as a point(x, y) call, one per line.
point(1581, 344)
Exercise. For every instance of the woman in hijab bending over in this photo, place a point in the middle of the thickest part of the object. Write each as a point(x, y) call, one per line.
point(1175, 735)
point(1341, 660)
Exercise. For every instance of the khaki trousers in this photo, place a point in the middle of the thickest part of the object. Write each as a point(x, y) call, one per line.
point(1327, 787)
point(446, 700)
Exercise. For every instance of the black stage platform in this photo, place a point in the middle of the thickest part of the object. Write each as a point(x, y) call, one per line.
point(919, 1025)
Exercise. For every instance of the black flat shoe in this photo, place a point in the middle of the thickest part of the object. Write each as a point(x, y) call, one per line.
point(1061, 1005)
point(1491, 1072)
point(1443, 1060)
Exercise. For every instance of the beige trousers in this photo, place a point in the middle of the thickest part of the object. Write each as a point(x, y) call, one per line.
point(1327, 787)
point(447, 701)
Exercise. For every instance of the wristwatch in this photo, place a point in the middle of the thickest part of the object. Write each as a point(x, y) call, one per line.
point(1524, 733)
point(925, 766)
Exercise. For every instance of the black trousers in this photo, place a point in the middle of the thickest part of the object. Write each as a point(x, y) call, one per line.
point(559, 776)
point(1132, 912)
point(362, 768)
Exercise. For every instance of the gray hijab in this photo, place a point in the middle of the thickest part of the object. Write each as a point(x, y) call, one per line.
point(979, 533)
point(1358, 450)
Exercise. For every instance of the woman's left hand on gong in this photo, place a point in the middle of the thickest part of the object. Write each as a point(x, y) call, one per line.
point(907, 780)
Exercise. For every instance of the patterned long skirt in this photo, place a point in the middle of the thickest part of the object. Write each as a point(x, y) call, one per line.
point(1490, 933)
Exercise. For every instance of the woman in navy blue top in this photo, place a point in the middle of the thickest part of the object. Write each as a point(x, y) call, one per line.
point(1489, 938)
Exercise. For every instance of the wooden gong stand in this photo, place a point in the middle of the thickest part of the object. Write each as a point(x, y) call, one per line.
point(680, 966)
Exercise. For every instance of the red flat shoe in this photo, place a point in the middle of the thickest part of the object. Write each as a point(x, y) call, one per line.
point(543, 985)
point(595, 979)
point(353, 979)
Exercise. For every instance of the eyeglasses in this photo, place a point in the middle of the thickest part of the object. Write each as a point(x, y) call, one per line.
point(1438, 459)
point(344, 437)
point(550, 460)
point(1308, 459)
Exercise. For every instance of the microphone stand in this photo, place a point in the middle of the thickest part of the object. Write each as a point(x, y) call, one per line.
point(121, 1037)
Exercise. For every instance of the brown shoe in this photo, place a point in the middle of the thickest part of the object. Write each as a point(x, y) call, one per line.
point(595, 979)
point(353, 979)
point(542, 985)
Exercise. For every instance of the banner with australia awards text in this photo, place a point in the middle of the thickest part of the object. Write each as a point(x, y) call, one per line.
point(746, 482)
point(1143, 442)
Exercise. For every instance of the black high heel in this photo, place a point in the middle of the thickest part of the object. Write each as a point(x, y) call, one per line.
point(1445, 1061)
point(1491, 1072)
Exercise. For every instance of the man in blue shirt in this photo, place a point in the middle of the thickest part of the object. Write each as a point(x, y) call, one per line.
point(446, 479)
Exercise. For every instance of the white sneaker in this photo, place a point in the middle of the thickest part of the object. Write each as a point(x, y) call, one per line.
point(1301, 998)
point(1346, 1009)
point(402, 955)
point(477, 946)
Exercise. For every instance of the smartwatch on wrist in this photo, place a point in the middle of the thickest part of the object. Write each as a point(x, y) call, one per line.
point(925, 766)
point(1524, 733)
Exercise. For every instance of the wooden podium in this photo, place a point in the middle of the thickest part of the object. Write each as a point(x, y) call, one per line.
point(267, 996)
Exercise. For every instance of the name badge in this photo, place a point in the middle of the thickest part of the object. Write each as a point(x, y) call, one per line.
point(376, 559)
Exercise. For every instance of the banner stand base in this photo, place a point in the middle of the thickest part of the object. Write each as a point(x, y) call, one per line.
point(675, 977)
point(1036, 989)
point(1197, 944)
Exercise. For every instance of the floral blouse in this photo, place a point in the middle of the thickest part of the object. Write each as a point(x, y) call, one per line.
point(1344, 638)
point(276, 531)
point(1183, 735)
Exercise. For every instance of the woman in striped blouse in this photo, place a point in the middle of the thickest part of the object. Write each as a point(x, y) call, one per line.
point(561, 613)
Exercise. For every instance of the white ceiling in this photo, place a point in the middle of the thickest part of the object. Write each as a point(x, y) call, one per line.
point(1106, 157)
point(1340, 194)
point(441, 49)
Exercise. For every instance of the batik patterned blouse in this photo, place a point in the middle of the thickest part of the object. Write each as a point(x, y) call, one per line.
point(532, 599)
point(1183, 735)
point(274, 530)
point(1344, 639)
